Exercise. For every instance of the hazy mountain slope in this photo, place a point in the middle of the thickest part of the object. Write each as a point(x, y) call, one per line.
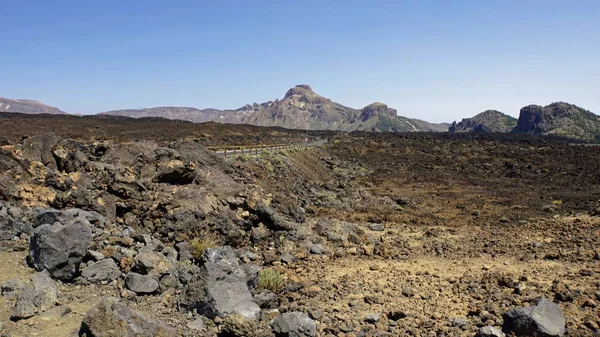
point(560, 119)
point(182, 113)
point(300, 108)
point(487, 121)
point(27, 106)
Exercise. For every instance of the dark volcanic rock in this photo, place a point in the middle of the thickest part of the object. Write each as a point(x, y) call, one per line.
point(59, 248)
point(221, 289)
point(545, 319)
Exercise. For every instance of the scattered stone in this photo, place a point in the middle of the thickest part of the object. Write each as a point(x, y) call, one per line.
point(239, 326)
point(185, 251)
point(94, 255)
point(294, 324)
point(56, 312)
point(377, 227)
point(266, 300)
point(288, 258)
point(316, 249)
point(110, 318)
point(11, 287)
point(153, 263)
point(26, 304)
point(60, 248)
point(197, 324)
point(102, 271)
point(372, 318)
point(459, 322)
point(46, 290)
point(141, 284)
point(490, 331)
point(544, 319)
point(408, 292)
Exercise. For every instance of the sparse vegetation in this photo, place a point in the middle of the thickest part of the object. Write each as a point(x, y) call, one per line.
point(200, 244)
point(270, 279)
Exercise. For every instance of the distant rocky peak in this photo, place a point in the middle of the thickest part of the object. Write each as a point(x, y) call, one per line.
point(300, 90)
point(377, 109)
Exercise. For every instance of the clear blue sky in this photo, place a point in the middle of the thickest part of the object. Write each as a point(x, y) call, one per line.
point(434, 60)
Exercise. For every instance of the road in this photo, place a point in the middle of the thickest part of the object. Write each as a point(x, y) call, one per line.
point(254, 150)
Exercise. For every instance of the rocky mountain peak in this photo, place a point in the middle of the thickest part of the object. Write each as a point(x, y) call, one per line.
point(300, 90)
point(377, 109)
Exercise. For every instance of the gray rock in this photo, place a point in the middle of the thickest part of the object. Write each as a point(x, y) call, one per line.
point(153, 263)
point(489, 331)
point(110, 318)
point(185, 251)
point(372, 318)
point(294, 324)
point(252, 271)
point(56, 312)
point(459, 322)
point(288, 258)
point(102, 271)
point(545, 319)
point(141, 284)
point(266, 300)
point(94, 255)
point(221, 289)
point(197, 324)
point(27, 303)
point(11, 287)
point(317, 249)
point(59, 248)
point(377, 227)
point(46, 290)
point(15, 212)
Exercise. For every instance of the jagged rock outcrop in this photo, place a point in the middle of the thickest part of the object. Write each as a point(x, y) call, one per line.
point(559, 119)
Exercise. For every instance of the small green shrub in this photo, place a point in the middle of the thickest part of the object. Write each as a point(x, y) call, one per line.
point(270, 279)
point(199, 245)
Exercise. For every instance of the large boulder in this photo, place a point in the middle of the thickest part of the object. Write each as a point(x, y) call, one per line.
point(110, 318)
point(545, 319)
point(221, 289)
point(294, 324)
point(59, 248)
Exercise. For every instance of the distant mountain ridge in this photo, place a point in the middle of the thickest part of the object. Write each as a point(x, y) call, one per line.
point(27, 106)
point(300, 108)
point(487, 121)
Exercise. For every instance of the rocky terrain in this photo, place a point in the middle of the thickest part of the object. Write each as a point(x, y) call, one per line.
point(112, 231)
point(560, 119)
point(487, 121)
point(301, 108)
point(27, 106)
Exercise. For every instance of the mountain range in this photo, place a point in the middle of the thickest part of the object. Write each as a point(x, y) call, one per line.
point(302, 108)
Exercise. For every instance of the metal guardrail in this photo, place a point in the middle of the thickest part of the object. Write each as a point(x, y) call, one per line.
point(232, 151)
